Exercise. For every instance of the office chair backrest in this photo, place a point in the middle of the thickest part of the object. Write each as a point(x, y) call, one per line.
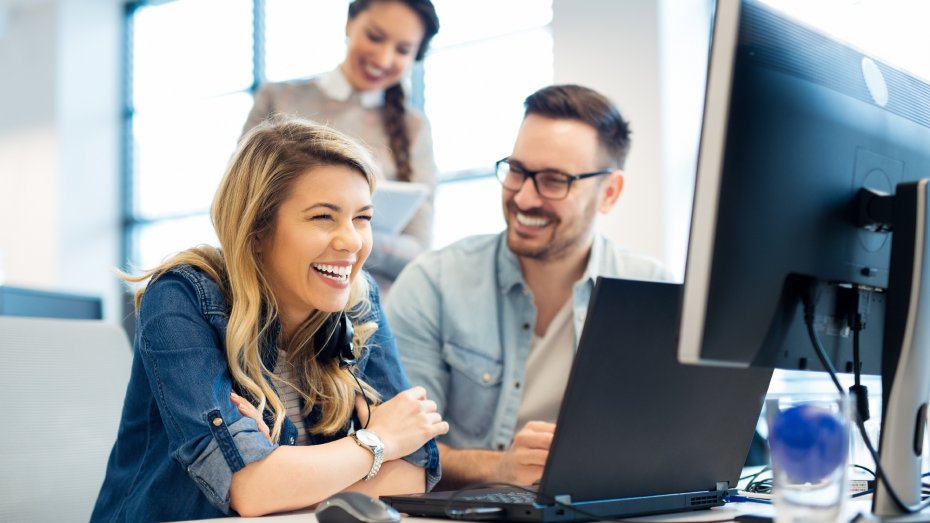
point(62, 384)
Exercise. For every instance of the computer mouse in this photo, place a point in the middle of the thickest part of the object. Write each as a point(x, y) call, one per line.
point(355, 507)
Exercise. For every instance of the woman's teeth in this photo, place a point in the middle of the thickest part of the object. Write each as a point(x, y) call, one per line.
point(335, 272)
point(373, 71)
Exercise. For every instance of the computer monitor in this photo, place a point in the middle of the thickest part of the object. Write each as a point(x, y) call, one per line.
point(38, 303)
point(795, 232)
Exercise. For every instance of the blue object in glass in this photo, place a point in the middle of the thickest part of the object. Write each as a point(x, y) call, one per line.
point(808, 442)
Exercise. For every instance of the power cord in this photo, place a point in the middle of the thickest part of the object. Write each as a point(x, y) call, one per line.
point(859, 393)
point(757, 486)
point(367, 401)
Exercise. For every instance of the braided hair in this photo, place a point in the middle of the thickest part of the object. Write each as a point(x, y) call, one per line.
point(394, 111)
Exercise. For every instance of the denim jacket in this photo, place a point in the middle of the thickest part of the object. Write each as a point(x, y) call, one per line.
point(181, 438)
point(464, 321)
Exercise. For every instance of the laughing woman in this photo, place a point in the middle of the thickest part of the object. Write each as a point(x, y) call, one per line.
point(265, 378)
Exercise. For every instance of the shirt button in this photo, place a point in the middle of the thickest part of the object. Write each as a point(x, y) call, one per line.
point(292, 440)
point(516, 385)
point(500, 446)
point(217, 422)
point(486, 377)
point(526, 326)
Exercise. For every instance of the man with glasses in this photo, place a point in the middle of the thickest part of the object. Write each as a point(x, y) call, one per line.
point(489, 325)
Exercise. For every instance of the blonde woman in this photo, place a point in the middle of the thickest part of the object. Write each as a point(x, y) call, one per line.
point(246, 395)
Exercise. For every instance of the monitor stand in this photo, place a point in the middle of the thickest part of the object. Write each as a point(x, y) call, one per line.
point(906, 353)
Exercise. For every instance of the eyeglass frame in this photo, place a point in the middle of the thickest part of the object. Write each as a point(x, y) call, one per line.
point(571, 178)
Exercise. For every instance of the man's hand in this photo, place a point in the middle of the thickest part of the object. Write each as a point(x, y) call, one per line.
point(523, 462)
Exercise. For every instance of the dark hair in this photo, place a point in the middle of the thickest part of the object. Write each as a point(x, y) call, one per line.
point(588, 106)
point(393, 112)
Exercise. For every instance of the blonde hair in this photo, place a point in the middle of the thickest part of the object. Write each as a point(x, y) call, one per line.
point(268, 161)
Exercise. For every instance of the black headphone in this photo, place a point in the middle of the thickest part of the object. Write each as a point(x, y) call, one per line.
point(335, 340)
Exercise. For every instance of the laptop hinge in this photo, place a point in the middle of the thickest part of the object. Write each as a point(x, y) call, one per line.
point(723, 485)
point(564, 499)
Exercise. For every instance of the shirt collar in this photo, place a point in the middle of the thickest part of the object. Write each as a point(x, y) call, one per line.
point(594, 260)
point(336, 86)
point(509, 273)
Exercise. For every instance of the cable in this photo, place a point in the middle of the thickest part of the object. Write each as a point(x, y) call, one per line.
point(752, 477)
point(880, 475)
point(860, 423)
point(367, 401)
point(808, 301)
point(859, 391)
point(474, 513)
point(763, 486)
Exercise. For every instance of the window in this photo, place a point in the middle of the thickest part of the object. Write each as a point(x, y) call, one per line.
point(484, 62)
point(188, 97)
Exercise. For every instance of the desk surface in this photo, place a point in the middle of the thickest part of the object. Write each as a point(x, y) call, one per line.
point(730, 510)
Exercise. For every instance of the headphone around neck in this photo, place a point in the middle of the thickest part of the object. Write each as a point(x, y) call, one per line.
point(335, 340)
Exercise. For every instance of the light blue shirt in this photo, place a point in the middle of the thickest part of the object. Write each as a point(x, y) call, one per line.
point(464, 318)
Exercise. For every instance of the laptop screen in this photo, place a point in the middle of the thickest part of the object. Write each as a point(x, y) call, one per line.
point(636, 422)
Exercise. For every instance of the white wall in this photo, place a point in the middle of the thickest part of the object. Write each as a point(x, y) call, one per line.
point(59, 146)
point(648, 57)
point(29, 163)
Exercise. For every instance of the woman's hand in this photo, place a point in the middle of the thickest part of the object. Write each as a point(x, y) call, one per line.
point(249, 410)
point(404, 423)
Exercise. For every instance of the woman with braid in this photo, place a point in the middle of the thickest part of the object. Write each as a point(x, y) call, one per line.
point(364, 98)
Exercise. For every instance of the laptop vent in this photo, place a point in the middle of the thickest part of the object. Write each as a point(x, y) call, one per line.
point(703, 500)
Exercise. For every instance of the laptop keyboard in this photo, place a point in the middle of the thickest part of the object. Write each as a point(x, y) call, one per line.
point(514, 497)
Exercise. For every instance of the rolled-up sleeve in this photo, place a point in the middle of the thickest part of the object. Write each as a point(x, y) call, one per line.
point(383, 371)
point(184, 359)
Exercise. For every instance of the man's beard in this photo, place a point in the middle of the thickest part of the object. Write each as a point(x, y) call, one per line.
point(540, 252)
point(560, 242)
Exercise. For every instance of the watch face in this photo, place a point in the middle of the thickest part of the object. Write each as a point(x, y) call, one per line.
point(368, 438)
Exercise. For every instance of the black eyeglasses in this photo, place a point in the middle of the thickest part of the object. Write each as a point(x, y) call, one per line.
point(551, 185)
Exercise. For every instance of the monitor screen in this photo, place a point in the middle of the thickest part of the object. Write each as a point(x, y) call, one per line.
point(809, 213)
point(795, 123)
point(37, 303)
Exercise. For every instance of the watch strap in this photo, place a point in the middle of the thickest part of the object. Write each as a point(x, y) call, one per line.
point(377, 452)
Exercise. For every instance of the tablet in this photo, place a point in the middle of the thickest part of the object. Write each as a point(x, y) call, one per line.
point(395, 204)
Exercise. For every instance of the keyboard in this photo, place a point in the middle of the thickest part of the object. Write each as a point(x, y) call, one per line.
point(507, 496)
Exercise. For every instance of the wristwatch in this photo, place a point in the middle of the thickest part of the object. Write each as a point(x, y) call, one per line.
point(369, 440)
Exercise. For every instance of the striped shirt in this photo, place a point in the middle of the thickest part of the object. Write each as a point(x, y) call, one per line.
point(283, 375)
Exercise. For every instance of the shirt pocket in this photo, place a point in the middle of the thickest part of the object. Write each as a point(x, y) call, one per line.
point(474, 389)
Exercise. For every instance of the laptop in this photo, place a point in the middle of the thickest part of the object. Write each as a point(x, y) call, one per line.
point(638, 433)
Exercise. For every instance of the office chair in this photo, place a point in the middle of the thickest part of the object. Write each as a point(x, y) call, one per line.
point(62, 384)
